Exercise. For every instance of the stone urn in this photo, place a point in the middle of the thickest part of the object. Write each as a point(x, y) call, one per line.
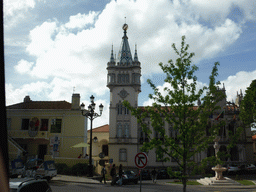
point(218, 172)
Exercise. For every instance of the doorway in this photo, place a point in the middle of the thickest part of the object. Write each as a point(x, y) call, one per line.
point(42, 150)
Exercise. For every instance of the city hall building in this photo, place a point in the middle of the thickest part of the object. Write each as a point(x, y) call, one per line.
point(125, 134)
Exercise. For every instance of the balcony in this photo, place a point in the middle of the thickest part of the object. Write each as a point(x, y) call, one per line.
point(24, 134)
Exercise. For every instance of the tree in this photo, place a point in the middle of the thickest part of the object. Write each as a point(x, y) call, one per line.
point(248, 106)
point(177, 107)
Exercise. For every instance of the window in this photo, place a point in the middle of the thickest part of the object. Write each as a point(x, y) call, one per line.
point(9, 123)
point(136, 78)
point(119, 109)
point(123, 78)
point(122, 155)
point(44, 124)
point(126, 130)
point(122, 110)
point(56, 125)
point(111, 78)
point(25, 124)
point(231, 128)
point(119, 130)
point(105, 149)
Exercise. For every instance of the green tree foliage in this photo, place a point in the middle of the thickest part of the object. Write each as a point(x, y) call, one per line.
point(177, 108)
point(248, 106)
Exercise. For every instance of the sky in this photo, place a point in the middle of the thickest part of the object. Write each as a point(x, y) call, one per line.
point(56, 48)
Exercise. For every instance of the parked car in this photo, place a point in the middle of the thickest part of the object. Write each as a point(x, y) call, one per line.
point(232, 168)
point(129, 177)
point(29, 184)
point(145, 175)
point(39, 169)
point(162, 174)
point(17, 168)
point(251, 167)
point(247, 168)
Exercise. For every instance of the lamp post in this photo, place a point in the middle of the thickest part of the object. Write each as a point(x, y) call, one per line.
point(90, 114)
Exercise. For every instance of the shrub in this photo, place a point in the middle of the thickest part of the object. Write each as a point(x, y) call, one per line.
point(61, 167)
point(80, 169)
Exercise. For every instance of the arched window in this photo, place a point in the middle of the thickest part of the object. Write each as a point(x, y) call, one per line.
point(234, 154)
point(119, 109)
point(119, 130)
point(231, 128)
point(210, 151)
point(126, 130)
point(123, 78)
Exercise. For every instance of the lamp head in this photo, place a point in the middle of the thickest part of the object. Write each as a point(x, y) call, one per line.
point(101, 108)
point(93, 105)
point(92, 99)
point(82, 107)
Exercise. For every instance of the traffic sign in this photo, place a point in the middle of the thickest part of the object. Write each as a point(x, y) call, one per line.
point(141, 160)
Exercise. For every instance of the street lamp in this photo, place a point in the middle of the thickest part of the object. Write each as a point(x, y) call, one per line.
point(91, 115)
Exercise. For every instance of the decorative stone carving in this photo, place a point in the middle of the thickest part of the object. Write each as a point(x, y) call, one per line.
point(123, 93)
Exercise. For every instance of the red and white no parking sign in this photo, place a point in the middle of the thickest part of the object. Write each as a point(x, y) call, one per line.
point(141, 160)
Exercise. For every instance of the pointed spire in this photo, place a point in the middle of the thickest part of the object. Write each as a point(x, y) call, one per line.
point(124, 55)
point(112, 60)
point(199, 102)
point(223, 86)
point(135, 54)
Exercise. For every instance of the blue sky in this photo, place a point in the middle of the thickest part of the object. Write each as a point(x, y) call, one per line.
point(53, 46)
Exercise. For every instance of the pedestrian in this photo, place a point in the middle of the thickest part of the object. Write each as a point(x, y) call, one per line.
point(154, 174)
point(103, 173)
point(113, 174)
point(120, 173)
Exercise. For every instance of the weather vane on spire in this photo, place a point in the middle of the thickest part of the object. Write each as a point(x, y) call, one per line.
point(125, 26)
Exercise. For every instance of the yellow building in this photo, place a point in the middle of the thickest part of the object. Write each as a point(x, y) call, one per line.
point(100, 140)
point(46, 128)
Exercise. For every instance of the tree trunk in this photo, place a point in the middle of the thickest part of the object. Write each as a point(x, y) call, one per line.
point(184, 182)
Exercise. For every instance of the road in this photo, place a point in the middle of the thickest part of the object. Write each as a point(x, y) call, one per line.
point(61, 186)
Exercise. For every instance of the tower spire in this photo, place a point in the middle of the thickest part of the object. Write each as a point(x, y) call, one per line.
point(124, 55)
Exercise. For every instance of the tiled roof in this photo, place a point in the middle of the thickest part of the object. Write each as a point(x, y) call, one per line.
point(41, 105)
point(104, 128)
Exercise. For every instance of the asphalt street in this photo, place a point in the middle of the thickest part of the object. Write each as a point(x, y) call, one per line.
point(63, 183)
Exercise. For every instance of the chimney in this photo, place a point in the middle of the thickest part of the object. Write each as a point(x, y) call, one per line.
point(27, 99)
point(75, 101)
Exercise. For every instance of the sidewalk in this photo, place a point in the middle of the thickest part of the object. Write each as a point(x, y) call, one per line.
point(76, 179)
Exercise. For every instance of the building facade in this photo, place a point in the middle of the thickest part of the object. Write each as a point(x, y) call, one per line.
point(125, 134)
point(45, 128)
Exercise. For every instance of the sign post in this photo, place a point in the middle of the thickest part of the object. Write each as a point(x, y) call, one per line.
point(141, 160)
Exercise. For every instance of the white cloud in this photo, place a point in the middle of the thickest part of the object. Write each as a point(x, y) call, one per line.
point(64, 59)
point(39, 89)
point(23, 66)
point(81, 20)
point(160, 88)
point(41, 39)
point(12, 6)
point(234, 83)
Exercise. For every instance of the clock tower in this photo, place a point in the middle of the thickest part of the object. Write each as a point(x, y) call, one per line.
point(124, 83)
